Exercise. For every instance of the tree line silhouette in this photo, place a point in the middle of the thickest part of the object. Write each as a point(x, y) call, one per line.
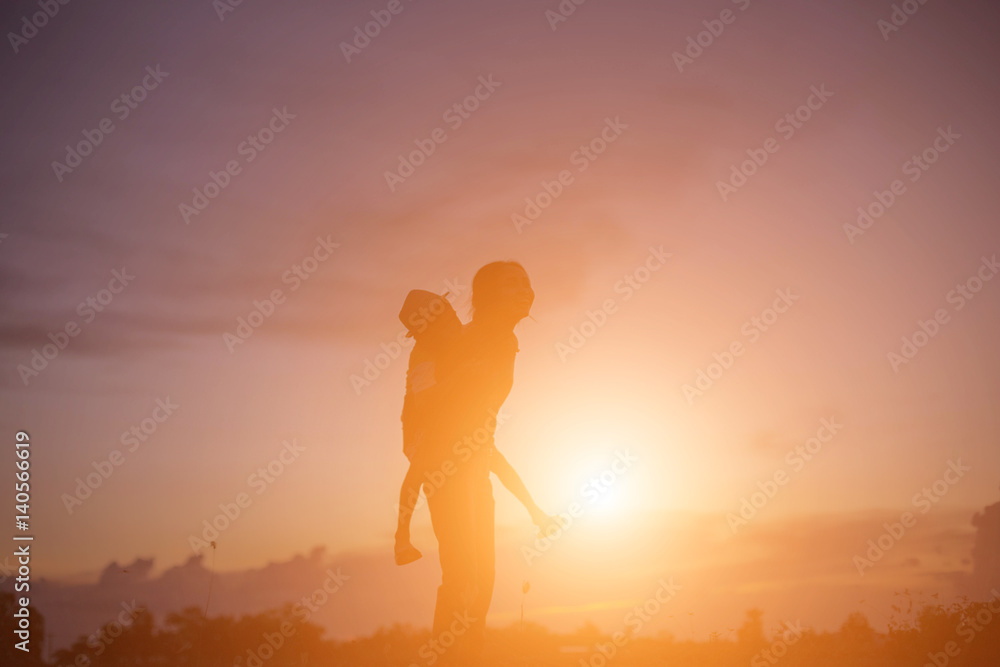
point(963, 634)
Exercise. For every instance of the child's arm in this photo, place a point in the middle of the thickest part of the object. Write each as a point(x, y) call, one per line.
point(505, 472)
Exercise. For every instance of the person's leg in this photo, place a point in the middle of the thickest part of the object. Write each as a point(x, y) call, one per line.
point(409, 494)
point(453, 519)
point(485, 519)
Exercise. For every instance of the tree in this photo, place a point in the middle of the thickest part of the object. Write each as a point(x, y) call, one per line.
point(750, 636)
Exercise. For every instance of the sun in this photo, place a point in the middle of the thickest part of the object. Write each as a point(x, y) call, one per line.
point(609, 501)
point(603, 472)
point(615, 459)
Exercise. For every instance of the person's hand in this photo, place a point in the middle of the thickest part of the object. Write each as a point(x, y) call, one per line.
point(547, 524)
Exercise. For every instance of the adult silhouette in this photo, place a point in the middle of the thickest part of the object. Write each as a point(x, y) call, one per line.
point(460, 414)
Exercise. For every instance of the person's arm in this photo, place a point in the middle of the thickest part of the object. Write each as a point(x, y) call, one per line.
point(505, 472)
point(501, 467)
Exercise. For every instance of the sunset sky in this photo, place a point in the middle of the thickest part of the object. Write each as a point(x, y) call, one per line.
point(688, 267)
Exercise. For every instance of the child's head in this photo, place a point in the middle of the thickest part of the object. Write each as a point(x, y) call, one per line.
point(428, 316)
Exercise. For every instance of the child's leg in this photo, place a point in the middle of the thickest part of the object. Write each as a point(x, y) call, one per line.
point(409, 494)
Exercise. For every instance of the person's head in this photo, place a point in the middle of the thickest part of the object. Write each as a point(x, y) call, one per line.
point(501, 293)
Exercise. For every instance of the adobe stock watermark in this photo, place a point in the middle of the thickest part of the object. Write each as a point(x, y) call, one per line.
point(393, 349)
point(923, 501)
point(629, 284)
point(435, 647)
point(958, 298)
point(898, 17)
point(786, 127)
point(223, 7)
point(779, 646)
point(88, 310)
point(30, 25)
point(915, 167)
point(970, 626)
point(714, 28)
point(752, 329)
point(109, 632)
point(455, 116)
point(562, 12)
point(462, 451)
point(258, 481)
point(592, 490)
point(635, 620)
point(365, 33)
point(581, 158)
point(248, 149)
point(796, 459)
point(294, 276)
point(122, 107)
point(271, 642)
point(131, 439)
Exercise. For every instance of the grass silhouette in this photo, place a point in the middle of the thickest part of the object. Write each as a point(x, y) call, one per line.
point(921, 632)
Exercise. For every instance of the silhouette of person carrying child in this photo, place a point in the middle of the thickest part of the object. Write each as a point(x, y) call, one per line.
point(457, 380)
